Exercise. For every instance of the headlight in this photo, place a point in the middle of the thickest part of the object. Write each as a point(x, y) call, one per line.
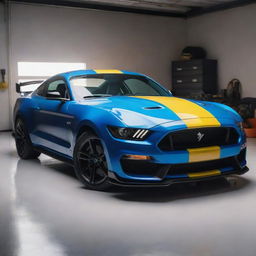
point(129, 133)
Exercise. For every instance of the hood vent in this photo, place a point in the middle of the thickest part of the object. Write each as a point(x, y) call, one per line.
point(155, 107)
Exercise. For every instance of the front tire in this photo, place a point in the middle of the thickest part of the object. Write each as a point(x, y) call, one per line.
point(90, 162)
point(24, 146)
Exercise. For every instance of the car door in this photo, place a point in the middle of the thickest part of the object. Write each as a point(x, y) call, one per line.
point(52, 121)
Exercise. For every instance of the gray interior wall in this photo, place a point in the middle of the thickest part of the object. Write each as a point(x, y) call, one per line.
point(101, 39)
point(142, 43)
point(4, 94)
point(230, 37)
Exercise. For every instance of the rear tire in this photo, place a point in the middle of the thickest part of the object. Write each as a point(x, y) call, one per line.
point(24, 146)
point(90, 162)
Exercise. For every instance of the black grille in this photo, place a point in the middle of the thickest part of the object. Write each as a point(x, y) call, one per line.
point(200, 137)
point(139, 167)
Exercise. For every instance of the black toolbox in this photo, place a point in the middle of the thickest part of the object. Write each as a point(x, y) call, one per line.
point(194, 77)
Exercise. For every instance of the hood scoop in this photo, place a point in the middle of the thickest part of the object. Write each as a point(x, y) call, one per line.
point(153, 107)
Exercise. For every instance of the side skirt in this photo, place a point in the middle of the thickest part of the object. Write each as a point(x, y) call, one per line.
point(52, 153)
point(55, 155)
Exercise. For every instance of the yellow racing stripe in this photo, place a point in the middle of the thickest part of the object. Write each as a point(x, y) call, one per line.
point(108, 71)
point(204, 174)
point(190, 113)
point(203, 154)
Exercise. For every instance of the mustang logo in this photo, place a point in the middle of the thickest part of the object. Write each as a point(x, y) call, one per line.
point(200, 136)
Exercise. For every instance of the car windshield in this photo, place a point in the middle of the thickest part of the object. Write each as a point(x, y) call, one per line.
point(105, 85)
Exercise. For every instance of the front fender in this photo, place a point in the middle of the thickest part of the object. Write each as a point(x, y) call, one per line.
point(96, 119)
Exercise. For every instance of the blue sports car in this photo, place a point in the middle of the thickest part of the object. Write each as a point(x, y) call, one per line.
point(123, 128)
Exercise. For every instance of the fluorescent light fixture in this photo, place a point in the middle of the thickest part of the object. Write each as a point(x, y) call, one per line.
point(46, 69)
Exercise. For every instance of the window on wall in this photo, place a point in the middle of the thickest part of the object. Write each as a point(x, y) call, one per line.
point(30, 71)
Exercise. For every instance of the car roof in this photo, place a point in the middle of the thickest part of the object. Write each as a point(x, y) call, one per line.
point(70, 74)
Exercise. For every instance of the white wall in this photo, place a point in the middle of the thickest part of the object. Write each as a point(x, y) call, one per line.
point(101, 39)
point(230, 37)
point(4, 95)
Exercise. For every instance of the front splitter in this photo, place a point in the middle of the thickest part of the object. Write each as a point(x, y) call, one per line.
point(118, 181)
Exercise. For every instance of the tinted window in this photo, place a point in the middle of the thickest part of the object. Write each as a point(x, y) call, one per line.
point(57, 89)
point(140, 87)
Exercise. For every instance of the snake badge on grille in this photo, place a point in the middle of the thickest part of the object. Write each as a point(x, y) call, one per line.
point(199, 136)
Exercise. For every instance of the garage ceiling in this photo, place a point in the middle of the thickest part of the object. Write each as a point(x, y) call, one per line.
point(176, 8)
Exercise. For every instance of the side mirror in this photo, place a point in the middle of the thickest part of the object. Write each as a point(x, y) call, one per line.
point(55, 96)
point(171, 92)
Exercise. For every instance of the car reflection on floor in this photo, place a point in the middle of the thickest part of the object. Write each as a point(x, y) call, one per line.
point(46, 211)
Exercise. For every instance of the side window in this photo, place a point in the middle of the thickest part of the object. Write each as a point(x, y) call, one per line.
point(57, 89)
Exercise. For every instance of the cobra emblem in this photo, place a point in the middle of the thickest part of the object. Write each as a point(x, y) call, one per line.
point(200, 136)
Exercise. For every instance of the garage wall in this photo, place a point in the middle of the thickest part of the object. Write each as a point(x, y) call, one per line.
point(101, 39)
point(4, 95)
point(141, 43)
point(230, 37)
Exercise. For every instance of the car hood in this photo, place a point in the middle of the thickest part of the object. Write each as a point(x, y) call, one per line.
point(150, 111)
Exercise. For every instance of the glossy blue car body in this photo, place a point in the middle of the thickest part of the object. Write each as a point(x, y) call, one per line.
point(54, 127)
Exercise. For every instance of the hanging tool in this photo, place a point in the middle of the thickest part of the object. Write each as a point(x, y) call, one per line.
point(3, 84)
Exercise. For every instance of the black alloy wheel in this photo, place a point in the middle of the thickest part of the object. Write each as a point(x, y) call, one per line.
point(24, 147)
point(90, 162)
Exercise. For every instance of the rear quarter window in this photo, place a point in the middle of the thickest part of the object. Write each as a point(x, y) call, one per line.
point(40, 90)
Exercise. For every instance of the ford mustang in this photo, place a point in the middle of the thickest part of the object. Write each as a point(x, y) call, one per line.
point(123, 128)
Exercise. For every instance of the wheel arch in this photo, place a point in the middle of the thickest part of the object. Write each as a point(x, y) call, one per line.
point(88, 126)
point(22, 116)
point(18, 116)
point(85, 128)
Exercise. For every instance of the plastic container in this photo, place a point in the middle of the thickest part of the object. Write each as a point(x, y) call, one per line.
point(250, 131)
point(251, 122)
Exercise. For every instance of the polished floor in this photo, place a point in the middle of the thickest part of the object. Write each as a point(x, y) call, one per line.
point(45, 211)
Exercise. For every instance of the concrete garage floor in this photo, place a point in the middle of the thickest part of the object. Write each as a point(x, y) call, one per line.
point(45, 211)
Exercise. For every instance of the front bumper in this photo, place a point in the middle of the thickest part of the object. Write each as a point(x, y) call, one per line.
point(118, 181)
point(159, 170)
